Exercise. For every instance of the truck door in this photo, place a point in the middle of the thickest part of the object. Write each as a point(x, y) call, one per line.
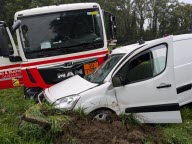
point(10, 72)
point(147, 84)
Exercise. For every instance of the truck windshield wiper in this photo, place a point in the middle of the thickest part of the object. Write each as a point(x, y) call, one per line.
point(85, 44)
point(44, 50)
point(66, 49)
point(43, 55)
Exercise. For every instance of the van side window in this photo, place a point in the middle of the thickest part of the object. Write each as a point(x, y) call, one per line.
point(145, 65)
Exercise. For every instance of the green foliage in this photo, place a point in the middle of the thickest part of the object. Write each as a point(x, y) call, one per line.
point(72, 140)
point(58, 122)
point(33, 133)
point(34, 111)
point(12, 106)
point(180, 133)
point(81, 112)
point(130, 119)
point(163, 16)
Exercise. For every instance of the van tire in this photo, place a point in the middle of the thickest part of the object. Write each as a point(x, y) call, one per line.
point(103, 115)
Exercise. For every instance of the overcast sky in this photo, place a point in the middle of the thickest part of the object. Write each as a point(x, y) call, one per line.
point(187, 1)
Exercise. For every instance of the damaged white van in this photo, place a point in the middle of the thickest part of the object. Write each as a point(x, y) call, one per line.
point(151, 80)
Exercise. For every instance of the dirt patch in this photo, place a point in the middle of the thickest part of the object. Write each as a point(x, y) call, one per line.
point(75, 127)
point(84, 131)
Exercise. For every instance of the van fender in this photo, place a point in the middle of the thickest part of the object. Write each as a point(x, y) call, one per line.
point(99, 102)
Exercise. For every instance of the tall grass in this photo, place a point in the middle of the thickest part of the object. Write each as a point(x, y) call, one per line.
point(12, 106)
point(180, 133)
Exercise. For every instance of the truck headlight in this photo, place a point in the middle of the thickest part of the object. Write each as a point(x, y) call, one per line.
point(66, 103)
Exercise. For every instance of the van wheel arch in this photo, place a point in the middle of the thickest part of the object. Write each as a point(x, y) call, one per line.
point(103, 114)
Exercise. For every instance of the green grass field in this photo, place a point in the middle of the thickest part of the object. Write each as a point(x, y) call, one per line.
point(13, 105)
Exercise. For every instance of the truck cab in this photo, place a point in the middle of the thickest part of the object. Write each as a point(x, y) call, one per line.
point(57, 42)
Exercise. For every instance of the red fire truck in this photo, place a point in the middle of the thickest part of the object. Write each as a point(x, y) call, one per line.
point(54, 43)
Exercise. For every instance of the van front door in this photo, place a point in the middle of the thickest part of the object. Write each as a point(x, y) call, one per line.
point(148, 88)
point(10, 72)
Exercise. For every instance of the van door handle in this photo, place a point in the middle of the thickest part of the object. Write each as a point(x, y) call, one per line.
point(164, 86)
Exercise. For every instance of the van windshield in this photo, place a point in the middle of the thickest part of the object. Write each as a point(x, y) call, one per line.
point(61, 33)
point(99, 75)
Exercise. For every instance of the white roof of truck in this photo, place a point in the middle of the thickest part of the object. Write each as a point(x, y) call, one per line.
point(130, 48)
point(55, 8)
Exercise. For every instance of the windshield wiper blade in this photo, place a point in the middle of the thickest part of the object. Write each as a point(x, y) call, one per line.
point(63, 49)
point(84, 44)
point(43, 54)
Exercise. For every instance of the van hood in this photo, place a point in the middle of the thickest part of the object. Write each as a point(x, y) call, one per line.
point(71, 86)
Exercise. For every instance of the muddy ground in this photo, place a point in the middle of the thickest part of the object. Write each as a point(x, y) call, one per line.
point(83, 131)
point(77, 128)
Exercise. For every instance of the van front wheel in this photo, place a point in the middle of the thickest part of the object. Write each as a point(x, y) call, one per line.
point(103, 115)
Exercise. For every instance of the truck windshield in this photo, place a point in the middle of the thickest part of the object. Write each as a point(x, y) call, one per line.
point(101, 72)
point(61, 33)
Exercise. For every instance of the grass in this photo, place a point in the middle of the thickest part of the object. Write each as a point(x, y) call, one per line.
point(180, 133)
point(13, 105)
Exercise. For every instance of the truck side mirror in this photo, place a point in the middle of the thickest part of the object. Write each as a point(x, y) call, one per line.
point(111, 28)
point(14, 58)
point(15, 26)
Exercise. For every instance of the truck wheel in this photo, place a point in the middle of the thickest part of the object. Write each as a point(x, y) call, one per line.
point(103, 115)
point(32, 93)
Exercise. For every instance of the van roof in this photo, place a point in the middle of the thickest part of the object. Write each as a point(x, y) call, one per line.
point(55, 8)
point(132, 47)
point(182, 37)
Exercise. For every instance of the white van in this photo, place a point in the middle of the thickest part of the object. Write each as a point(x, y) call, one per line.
point(151, 80)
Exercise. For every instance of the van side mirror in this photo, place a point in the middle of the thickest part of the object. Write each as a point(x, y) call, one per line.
point(15, 26)
point(117, 82)
point(15, 58)
point(111, 28)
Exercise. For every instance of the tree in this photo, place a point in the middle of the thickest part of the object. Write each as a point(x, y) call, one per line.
point(162, 16)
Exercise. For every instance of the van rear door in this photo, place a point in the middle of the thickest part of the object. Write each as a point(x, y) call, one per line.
point(148, 84)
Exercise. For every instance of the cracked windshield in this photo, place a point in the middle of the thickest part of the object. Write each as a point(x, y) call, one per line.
point(61, 33)
point(99, 75)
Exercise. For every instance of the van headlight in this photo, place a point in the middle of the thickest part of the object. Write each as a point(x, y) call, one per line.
point(66, 103)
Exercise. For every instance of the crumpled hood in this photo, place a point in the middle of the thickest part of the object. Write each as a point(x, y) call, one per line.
point(71, 86)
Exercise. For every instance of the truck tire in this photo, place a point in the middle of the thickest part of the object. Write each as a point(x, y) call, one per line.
point(32, 93)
